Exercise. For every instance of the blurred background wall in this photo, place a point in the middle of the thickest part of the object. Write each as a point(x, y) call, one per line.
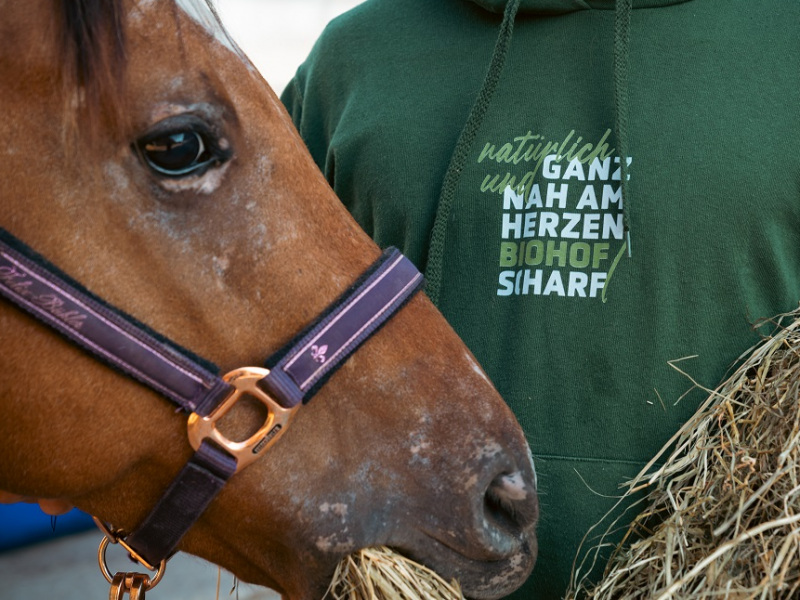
point(278, 34)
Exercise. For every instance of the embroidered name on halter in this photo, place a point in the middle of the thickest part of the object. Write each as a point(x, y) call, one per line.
point(25, 285)
point(41, 289)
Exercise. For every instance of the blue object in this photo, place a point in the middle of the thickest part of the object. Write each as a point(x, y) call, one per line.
point(22, 524)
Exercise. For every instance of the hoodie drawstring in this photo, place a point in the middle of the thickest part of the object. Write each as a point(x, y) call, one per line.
point(622, 30)
point(433, 270)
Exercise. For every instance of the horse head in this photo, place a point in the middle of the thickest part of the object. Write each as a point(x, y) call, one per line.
point(143, 155)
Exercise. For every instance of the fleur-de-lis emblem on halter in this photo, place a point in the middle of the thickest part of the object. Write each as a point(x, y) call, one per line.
point(318, 353)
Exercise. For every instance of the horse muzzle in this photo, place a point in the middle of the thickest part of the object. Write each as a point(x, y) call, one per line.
point(488, 542)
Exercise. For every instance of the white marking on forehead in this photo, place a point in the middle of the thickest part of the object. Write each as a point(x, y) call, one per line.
point(199, 12)
point(202, 15)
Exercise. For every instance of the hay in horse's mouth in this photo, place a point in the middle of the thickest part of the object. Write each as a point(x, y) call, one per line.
point(380, 573)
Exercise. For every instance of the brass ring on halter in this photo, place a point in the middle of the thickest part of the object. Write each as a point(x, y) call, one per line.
point(148, 583)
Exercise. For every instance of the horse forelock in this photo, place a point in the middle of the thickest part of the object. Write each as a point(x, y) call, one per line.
point(93, 46)
point(93, 51)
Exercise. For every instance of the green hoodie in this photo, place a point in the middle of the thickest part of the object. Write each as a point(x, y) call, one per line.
point(486, 145)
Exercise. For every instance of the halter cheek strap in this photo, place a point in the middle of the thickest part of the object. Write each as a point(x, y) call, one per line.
point(299, 370)
point(293, 375)
point(33, 284)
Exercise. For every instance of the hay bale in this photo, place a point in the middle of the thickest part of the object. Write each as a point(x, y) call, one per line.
point(722, 516)
point(381, 574)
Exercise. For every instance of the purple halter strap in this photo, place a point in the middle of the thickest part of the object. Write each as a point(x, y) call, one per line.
point(292, 375)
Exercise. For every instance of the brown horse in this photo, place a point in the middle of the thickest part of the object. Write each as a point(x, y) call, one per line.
point(141, 154)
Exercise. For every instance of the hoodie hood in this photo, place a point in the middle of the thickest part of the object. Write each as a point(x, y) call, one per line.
point(555, 7)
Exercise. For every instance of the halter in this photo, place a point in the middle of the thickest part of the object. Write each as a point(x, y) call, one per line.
point(290, 377)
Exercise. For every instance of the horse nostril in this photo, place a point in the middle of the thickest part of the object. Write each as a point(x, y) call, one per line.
point(510, 502)
point(499, 511)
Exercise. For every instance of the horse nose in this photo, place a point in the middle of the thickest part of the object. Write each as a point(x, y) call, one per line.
point(510, 510)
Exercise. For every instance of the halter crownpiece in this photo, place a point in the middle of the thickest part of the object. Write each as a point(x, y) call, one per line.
point(291, 377)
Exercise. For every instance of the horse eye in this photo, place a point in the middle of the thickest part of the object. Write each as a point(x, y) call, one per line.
point(178, 153)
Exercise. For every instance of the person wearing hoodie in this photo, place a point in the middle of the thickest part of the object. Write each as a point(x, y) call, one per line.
point(604, 197)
